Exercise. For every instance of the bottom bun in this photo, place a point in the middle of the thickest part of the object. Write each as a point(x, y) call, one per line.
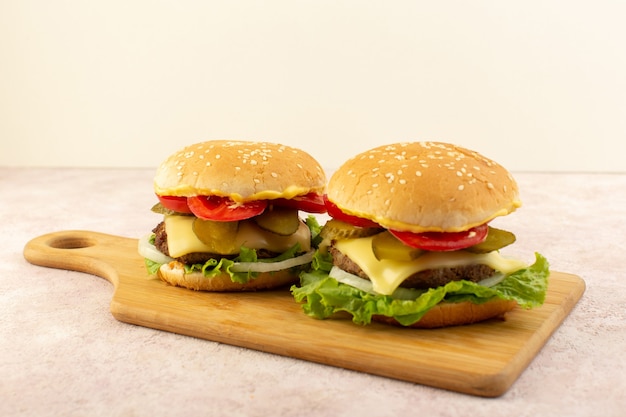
point(174, 274)
point(456, 314)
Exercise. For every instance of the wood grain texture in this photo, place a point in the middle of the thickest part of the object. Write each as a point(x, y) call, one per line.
point(482, 359)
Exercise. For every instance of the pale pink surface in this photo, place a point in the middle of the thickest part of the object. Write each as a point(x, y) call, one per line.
point(62, 353)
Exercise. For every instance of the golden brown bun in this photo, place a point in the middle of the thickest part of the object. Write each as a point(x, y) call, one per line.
point(424, 186)
point(456, 314)
point(241, 170)
point(174, 274)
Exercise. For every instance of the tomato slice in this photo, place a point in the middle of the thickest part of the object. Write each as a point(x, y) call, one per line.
point(223, 209)
point(336, 213)
point(311, 202)
point(177, 204)
point(443, 241)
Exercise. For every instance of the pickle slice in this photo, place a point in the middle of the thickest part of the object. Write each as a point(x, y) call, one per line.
point(280, 220)
point(496, 239)
point(219, 236)
point(335, 229)
point(387, 246)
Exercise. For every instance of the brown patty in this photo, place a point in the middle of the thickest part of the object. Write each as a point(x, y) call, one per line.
point(429, 278)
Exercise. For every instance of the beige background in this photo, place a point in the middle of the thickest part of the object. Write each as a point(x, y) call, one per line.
point(538, 85)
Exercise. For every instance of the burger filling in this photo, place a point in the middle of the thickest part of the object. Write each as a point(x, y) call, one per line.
point(427, 267)
point(242, 249)
point(175, 237)
point(422, 279)
point(367, 272)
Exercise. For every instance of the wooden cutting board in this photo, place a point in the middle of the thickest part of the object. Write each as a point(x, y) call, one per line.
point(482, 359)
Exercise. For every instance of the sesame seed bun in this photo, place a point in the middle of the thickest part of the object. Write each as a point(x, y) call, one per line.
point(243, 171)
point(424, 187)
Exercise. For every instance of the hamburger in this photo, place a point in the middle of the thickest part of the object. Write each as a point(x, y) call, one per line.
point(409, 241)
point(231, 216)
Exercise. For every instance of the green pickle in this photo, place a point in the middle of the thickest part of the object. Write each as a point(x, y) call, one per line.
point(279, 220)
point(386, 246)
point(220, 236)
point(496, 240)
point(335, 229)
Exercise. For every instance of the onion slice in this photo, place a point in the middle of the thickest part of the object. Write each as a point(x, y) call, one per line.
point(149, 251)
point(366, 285)
point(492, 280)
point(273, 266)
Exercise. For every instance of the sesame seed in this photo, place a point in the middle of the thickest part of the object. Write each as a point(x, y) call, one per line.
point(461, 187)
point(274, 175)
point(418, 173)
point(490, 186)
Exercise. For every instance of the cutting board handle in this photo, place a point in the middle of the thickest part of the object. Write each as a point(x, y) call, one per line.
point(77, 250)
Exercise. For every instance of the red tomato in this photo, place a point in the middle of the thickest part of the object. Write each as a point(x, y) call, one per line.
point(224, 209)
point(336, 213)
point(444, 241)
point(177, 204)
point(311, 202)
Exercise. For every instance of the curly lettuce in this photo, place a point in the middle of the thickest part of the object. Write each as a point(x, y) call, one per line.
point(323, 296)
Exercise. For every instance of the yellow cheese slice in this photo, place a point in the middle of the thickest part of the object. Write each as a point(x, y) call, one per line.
point(387, 275)
point(181, 239)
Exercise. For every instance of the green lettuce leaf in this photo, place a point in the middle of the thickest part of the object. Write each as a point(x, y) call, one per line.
point(323, 296)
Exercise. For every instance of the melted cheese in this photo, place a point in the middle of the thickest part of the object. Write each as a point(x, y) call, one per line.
point(181, 239)
point(387, 275)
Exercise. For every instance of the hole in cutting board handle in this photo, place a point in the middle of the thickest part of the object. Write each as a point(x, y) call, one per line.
point(72, 242)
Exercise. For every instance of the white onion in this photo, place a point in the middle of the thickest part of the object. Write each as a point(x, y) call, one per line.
point(366, 285)
point(492, 280)
point(272, 266)
point(351, 279)
point(149, 251)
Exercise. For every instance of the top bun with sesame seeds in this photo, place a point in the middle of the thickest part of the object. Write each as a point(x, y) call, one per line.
point(231, 215)
point(409, 243)
point(241, 170)
point(424, 187)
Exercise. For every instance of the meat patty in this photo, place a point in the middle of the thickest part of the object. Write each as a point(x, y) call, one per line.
point(160, 242)
point(429, 278)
